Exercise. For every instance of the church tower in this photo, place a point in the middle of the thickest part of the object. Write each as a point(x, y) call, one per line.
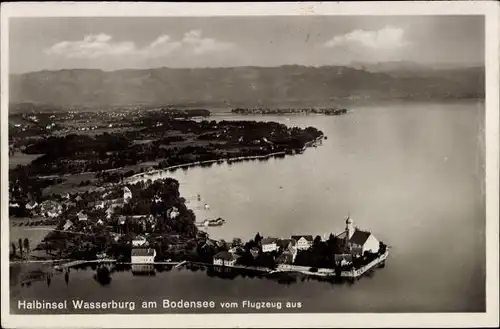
point(349, 228)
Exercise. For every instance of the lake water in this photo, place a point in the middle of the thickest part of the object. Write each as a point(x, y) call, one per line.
point(411, 173)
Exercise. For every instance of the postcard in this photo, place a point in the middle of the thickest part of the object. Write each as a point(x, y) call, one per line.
point(250, 164)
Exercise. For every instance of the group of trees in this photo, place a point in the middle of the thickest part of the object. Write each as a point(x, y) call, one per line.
point(75, 153)
point(321, 254)
point(23, 248)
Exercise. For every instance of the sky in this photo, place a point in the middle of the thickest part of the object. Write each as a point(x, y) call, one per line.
point(147, 42)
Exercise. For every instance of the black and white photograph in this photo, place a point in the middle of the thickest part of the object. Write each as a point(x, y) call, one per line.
point(222, 162)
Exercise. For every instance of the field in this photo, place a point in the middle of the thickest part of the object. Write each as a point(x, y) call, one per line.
point(21, 159)
point(35, 234)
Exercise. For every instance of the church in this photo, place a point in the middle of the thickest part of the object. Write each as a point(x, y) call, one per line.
point(357, 241)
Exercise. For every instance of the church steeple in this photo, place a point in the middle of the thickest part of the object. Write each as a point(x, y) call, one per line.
point(349, 227)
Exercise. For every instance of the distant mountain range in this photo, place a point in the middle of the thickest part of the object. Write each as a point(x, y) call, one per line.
point(407, 68)
point(244, 86)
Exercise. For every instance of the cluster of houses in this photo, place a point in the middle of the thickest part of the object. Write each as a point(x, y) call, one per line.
point(48, 208)
point(355, 243)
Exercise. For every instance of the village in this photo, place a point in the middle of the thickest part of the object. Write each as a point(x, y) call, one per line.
point(148, 223)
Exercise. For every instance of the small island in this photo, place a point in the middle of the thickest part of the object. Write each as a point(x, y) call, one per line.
point(283, 111)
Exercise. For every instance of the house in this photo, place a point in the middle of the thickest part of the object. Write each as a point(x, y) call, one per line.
point(127, 194)
point(99, 205)
point(209, 244)
point(224, 258)
point(285, 258)
point(221, 243)
point(143, 255)
point(31, 205)
point(238, 250)
point(173, 212)
point(67, 225)
point(109, 212)
point(362, 241)
point(50, 209)
point(100, 222)
point(288, 245)
point(303, 242)
point(139, 241)
point(356, 241)
point(82, 216)
point(269, 244)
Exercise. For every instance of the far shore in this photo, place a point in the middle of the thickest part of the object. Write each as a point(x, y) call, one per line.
point(142, 175)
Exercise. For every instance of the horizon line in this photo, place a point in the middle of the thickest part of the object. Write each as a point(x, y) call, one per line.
point(457, 65)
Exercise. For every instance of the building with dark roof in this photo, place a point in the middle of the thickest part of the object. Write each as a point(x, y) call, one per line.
point(224, 258)
point(269, 244)
point(143, 255)
point(357, 241)
point(303, 242)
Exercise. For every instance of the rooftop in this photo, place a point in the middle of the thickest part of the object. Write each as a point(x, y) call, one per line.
point(298, 237)
point(360, 237)
point(225, 255)
point(143, 252)
point(269, 240)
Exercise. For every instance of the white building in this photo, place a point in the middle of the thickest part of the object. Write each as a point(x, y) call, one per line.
point(358, 241)
point(143, 255)
point(67, 225)
point(31, 205)
point(269, 244)
point(303, 242)
point(224, 258)
point(82, 216)
point(127, 194)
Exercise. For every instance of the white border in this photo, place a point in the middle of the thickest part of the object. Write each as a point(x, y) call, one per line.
point(490, 9)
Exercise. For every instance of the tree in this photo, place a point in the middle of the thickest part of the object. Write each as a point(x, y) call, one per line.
point(26, 245)
point(13, 249)
point(316, 241)
point(20, 243)
point(236, 242)
point(257, 239)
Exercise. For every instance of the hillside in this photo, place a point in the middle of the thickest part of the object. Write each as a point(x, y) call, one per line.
point(239, 86)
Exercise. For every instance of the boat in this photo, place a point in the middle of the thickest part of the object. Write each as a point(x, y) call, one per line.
point(216, 222)
point(212, 222)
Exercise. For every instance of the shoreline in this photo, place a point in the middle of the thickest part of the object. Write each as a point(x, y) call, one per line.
point(141, 176)
point(281, 268)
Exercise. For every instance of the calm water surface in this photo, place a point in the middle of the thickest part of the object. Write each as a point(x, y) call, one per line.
point(413, 174)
